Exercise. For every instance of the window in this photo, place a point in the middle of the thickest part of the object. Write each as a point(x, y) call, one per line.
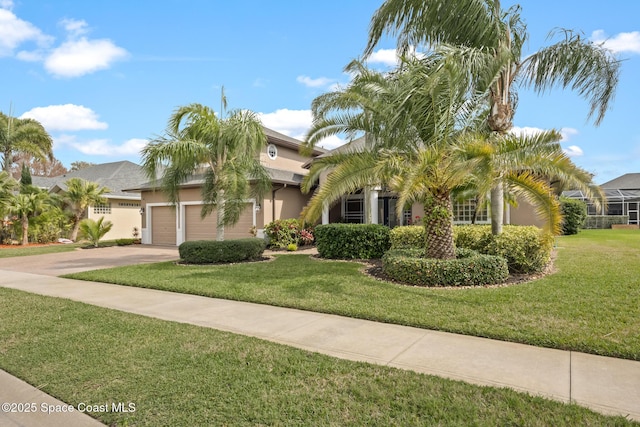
point(128, 205)
point(463, 212)
point(354, 211)
point(272, 151)
point(102, 208)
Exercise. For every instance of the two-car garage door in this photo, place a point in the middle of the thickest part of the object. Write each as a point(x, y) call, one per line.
point(163, 223)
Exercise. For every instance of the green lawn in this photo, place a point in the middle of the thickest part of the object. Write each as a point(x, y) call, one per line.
point(36, 250)
point(591, 304)
point(183, 375)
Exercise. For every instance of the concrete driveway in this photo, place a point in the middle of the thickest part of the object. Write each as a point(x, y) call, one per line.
point(89, 259)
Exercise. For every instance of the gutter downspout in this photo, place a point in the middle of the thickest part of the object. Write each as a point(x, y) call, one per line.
point(273, 201)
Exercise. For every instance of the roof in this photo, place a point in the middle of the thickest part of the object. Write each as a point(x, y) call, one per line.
point(278, 138)
point(116, 176)
point(353, 146)
point(628, 181)
point(278, 176)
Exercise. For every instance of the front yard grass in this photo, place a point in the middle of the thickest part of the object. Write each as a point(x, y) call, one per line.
point(591, 304)
point(183, 375)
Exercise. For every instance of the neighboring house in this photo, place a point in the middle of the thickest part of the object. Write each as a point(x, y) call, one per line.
point(166, 224)
point(122, 208)
point(381, 206)
point(623, 201)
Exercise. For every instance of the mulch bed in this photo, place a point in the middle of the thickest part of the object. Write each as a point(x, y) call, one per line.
point(30, 245)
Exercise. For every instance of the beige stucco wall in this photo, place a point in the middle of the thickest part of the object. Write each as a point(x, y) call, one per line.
point(125, 214)
point(287, 159)
point(524, 214)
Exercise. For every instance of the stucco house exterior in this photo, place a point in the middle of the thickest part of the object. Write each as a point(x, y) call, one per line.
point(167, 224)
point(122, 207)
point(381, 205)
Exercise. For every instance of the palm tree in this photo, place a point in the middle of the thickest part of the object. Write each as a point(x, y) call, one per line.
point(23, 136)
point(223, 152)
point(95, 230)
point(79, 196)
point(26, 206)
point(426, 146)
point(7, 186)
point(487, 42)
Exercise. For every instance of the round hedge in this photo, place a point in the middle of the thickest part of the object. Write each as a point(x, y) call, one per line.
point(211, 251)
point(470, 268)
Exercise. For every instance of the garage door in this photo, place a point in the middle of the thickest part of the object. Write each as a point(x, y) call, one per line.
point(205, 229)
point(163, 225)
point(197, 228)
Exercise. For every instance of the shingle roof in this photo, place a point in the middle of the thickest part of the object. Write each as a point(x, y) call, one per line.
point(628, 181)
point(278, 176)
point(116, 176)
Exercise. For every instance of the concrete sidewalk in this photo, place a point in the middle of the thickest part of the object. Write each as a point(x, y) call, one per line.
point(607, 385)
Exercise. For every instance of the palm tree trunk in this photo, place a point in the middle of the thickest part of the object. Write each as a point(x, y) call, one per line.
point(438, 224)
point(497, 209)
point(76, 227)
point(220, 217)
point(25, 230)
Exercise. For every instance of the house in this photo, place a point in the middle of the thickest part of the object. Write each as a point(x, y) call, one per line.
point(381, 205)
point(166, 224)
point(623, 202)
point(122, 207)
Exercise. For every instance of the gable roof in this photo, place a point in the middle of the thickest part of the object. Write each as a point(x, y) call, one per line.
point(116, 176)
point(628, 181)
point(278, 138)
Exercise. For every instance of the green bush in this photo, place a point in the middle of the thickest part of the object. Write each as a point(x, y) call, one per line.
point(527, 249)
point(469, 268)
point(125, 242)
point(211, 251)
point(352, 241)
point(283, 232)
point(574, 213)
point(408, 236)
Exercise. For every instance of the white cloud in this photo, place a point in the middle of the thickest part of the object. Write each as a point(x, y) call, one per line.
point(566, 133)
point(573, 151)
point(319, 82)
point(6, 4)
point(384, 56)
point(75, 27)
point(67, 117)
point(76, 58)
point(15, 31)
point(293, 123)
point(296, 123)
point(623, 42)
point(102, 147)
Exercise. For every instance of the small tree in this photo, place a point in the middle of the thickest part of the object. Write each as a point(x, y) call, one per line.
point(93, 231)
point(27, 206)
point(79, 196)
point(574, 213)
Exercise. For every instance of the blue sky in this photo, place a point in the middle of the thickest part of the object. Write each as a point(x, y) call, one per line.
point(104, 76)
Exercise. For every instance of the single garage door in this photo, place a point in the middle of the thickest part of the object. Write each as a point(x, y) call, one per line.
point(163, 225)
point(205, 229)
point(197, 228)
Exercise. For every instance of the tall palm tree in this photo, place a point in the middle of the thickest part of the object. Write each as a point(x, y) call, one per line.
point(26, 206)
point(487, 41)
point(23, 136)
point(223, 152)
point(79, 196)
point(426, 146)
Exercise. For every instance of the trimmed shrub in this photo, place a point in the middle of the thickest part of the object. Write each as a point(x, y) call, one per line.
point(125, 242)
point(407, 236)
point(211, 251)
point(468, 269)
point(574, 213)
point(352, 241)
point(283, 232)
point(527, 249)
